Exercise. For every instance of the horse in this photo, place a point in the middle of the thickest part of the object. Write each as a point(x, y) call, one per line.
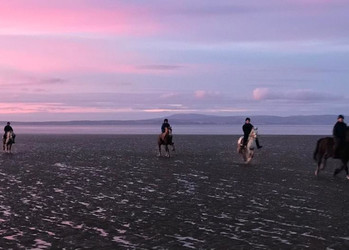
point(247, 151)
point(325, 149)
point(8, 141)
point(165, 139)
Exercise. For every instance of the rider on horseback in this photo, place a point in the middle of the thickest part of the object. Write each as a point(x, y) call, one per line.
point(165, 129)
point(8, 128)
point(339, 134)
point(247, 127)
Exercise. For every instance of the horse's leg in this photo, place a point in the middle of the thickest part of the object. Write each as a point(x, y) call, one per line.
point(323, 161)
point(243, 152)
point(250, 155)
point(320, 163)
point(159, 145)
point(338, 170)
point(167, 151)
point(346, 169)
point(343, 167)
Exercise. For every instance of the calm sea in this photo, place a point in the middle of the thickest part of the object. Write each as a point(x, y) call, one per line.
point(177, 129)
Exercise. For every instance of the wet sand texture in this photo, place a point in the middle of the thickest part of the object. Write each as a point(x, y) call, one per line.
point(111, 192)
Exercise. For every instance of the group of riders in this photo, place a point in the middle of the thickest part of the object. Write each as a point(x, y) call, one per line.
point(339, 134)
point(166, 129)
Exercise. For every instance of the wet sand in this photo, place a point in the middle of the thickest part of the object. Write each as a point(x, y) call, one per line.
point(108, 192)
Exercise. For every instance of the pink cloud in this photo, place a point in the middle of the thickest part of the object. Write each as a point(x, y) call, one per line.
point(54, 54)
point(43, 55)
point(203, 94)
point(41, 17)
point(263, 94)
point(27, 108)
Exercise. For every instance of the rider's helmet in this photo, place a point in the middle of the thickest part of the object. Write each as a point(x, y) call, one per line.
point(165, 120)
point(8, 123)
point(248, 119)
point(340, 117)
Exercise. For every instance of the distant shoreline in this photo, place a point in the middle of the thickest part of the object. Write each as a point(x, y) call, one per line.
point(151, 129)
point(196, 119)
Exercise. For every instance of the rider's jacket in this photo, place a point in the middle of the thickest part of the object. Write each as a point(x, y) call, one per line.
point(339, 130)
point(247, 127)
point(8, 128)
point(165, 125)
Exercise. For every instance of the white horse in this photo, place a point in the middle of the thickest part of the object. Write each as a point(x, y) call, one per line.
point(247, 151)
point(8, 141)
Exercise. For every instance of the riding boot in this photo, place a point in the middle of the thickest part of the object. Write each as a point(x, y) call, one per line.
point(257, 143)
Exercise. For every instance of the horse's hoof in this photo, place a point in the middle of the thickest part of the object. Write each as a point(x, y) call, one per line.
point(347, 177)
point(316, 173)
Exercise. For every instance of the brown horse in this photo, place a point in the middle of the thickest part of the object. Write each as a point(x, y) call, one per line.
point(324, 150)
point(8, 141)
point(166, 139)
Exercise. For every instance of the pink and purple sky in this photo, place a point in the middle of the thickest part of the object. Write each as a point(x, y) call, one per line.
point(109, 59)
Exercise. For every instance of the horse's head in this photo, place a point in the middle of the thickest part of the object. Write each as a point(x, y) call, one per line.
point(9, 138)
point(9, 134)
point(253, 133)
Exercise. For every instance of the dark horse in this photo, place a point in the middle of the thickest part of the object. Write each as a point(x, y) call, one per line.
point(324, 150)
point(165, 139)
point(8, 141)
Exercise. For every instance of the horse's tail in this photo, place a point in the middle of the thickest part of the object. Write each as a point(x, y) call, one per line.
point(316, 150)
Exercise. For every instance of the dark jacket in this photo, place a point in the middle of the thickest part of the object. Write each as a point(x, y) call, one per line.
point(340, 130)
point(165, 125)
point(8, 128)
point(247, 127)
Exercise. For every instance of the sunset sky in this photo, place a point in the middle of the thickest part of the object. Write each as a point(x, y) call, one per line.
point(109, 59)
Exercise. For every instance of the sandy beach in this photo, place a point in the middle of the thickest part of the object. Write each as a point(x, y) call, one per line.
point(112, 191)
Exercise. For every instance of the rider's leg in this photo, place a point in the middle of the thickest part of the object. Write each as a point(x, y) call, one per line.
point(257, 143)
point(245, 141)
point(170, 142)
point(338, 145)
